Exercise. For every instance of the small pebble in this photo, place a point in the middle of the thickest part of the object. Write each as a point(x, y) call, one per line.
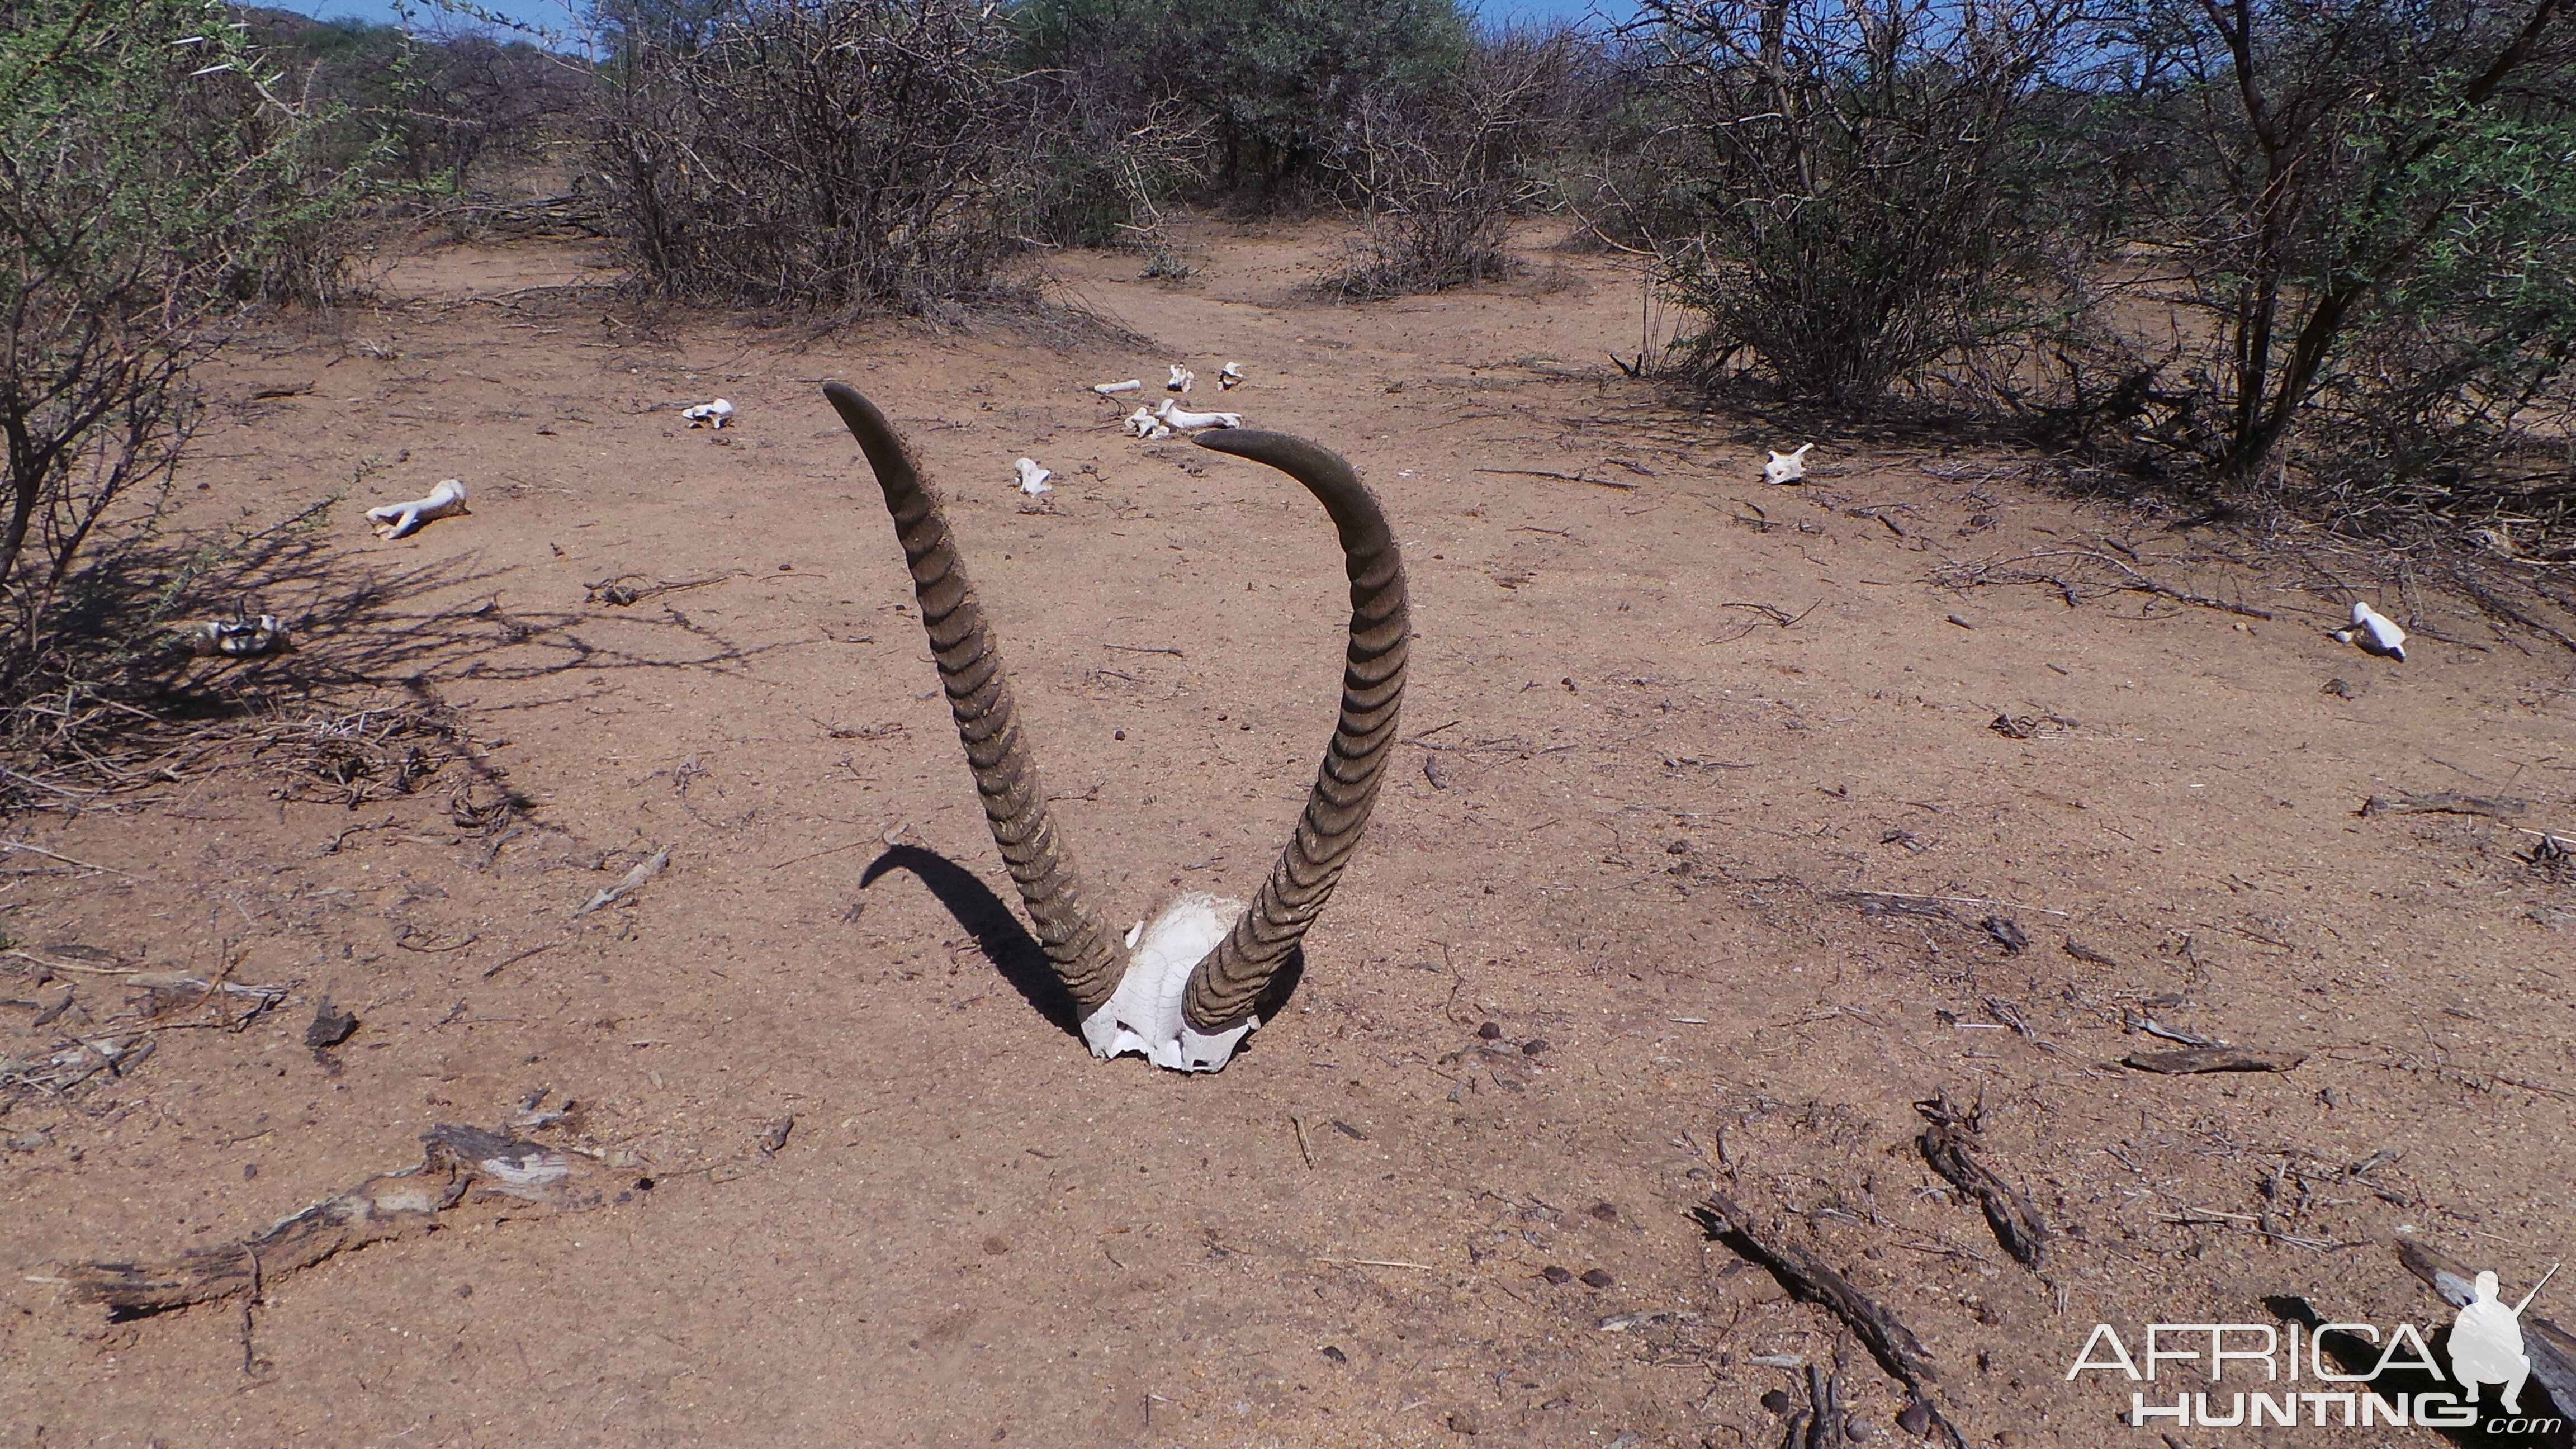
point(1491, 1031)
point(1605, 1212)
point(1335, 1354)
point(1777, 1401)
point(1555, 1274)
point(1533, 1048)
point(1596, 1278)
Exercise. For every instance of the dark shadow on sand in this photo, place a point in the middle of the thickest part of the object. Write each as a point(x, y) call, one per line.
point(1016, 954)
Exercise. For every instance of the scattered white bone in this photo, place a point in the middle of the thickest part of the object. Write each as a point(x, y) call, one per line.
point(1144, 1014)
point(1174, 417)
point(1033, 479)
point(709, 414)
point(1112, 389)
point(1141, 422)
point(237, 639)
point(394, 520)
point(2375, 632)
point(1182, 377)
point(1786, 467)
point(1229, 377)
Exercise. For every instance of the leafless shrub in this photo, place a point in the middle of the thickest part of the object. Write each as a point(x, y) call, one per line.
point(1443, 176)
point(151, 191)
point(826, 155)
point(1843, 176)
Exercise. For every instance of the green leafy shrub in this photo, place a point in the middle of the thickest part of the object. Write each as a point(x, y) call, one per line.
point(154, 183)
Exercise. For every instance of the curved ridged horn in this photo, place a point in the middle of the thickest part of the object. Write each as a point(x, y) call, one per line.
point(1224, 987)
point(979, 695)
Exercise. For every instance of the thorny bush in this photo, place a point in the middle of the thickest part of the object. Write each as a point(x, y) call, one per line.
point(846, 156)
point(154, 183)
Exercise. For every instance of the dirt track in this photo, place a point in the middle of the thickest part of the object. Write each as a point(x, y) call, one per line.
point(1705, 811)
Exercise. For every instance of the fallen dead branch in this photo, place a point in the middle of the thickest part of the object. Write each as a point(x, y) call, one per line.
point(1762, 614)
point(628, 589)
point(1949, 1145)
point(1889, 1341)
point(2212, 1059)
point(460, 1166)
point(2446, 802)
point(83, 1052)
point(1559, 477)
point(2125, 578)
point(1876, 902)
point(327, 752)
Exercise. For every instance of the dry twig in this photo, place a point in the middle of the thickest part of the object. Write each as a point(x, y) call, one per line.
point(1949, 1146)
point(1889, 1341)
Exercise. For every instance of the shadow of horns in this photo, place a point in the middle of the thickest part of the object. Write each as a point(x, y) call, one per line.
point(998, 933)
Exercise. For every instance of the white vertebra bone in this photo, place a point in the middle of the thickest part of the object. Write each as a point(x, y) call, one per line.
point(1033, 479)
point(1182, 377)
point(1174, 417)
point(709, 414)
point(1787, 467)
point(1141, 422)
point(1229, 377)
point(394, 520)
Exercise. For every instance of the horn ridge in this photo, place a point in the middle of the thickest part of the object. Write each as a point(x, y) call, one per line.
point(980, 699)
point(1224, 988)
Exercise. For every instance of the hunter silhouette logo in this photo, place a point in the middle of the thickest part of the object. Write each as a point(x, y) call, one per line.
point(2299, 1372)
point(2486, 1341)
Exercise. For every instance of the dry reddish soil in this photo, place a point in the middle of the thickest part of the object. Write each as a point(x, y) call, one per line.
point(1681, 882)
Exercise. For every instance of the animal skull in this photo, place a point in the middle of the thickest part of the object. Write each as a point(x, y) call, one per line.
point(1190, 984)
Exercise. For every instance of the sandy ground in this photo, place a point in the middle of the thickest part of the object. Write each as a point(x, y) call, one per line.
point(1702, 809)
